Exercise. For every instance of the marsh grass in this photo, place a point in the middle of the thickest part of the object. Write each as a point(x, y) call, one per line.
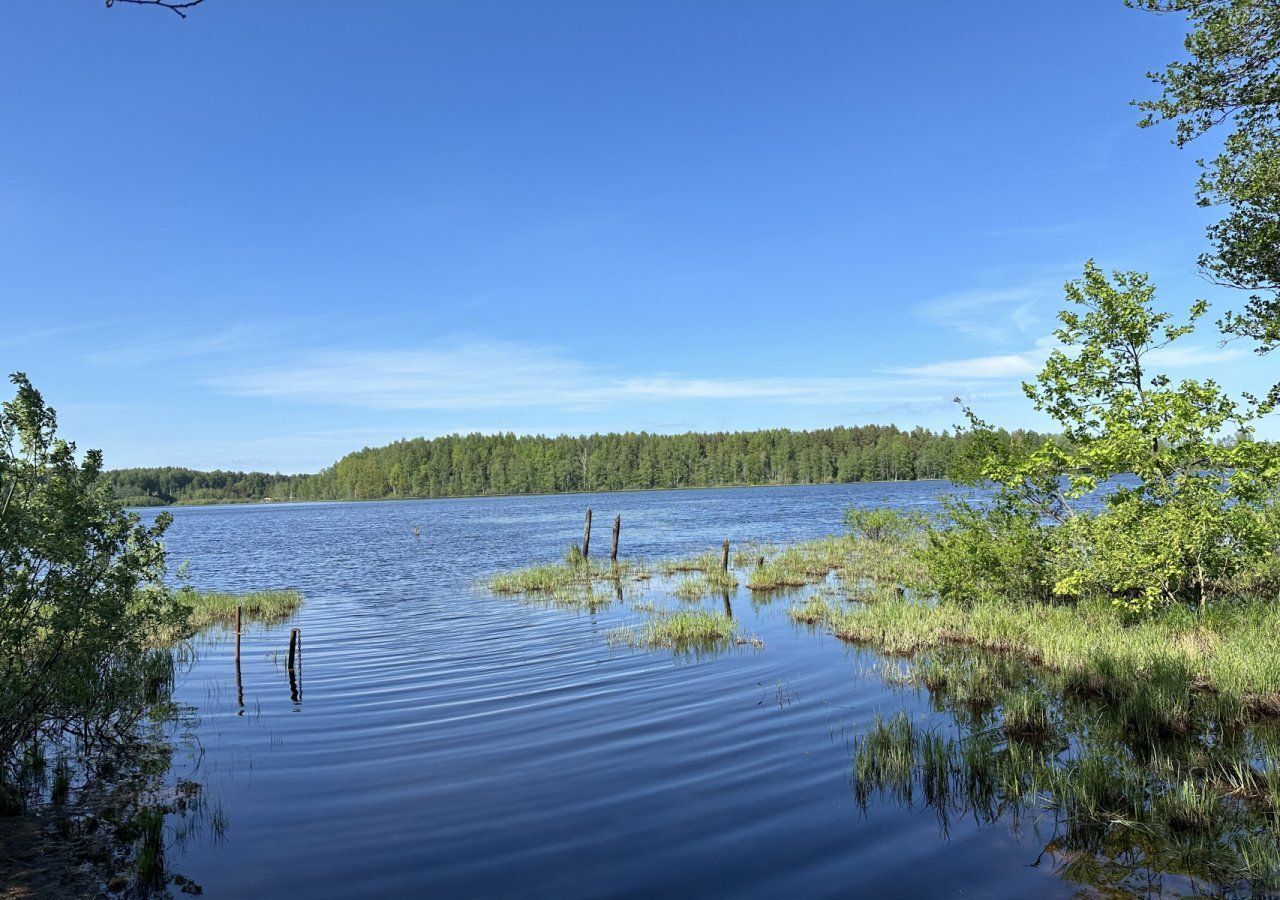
point(1026, 715)
point(692, 631)
point(705, 563)
point(149, 847)
point(858, 563)
point(705, 584)
point(576, 583)
point(1156, 669)
point(561, 576)
point(816, 610)
point(210, 608)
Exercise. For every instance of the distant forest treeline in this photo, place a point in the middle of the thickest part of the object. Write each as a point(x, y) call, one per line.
point(467, 465)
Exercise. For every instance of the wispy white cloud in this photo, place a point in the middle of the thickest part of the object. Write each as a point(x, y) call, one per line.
point(995, 315)
point(1027, 363)
point(1007, 306)
point(174, 347)
point(34, 336)
point(1010, 365)
point(1181, 357)
point(502, 374)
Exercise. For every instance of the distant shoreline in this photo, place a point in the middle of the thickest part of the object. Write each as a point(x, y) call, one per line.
point(652, 490)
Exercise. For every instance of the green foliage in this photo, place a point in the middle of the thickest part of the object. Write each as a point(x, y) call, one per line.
point(80, 590)
point(209, 608)
point(882, 523)
point(999, 553)
point(1231, 79)
point(1196, 519)
point(463, 465)
point(691, 631)
point(167, 486)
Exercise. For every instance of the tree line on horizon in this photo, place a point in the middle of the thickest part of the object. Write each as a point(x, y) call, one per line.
point(488, 464)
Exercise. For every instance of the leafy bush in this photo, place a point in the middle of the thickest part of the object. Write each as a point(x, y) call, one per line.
point(1191, 548)
point(1001, 553)
point(883, 524)
point(80, 592)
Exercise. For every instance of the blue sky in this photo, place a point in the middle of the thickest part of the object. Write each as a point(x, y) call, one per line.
point(275, 232)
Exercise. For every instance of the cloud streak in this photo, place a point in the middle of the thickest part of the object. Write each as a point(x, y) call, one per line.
point(503, 374)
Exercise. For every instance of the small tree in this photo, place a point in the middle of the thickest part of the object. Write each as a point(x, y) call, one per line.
point(1184, 483)
point(81, 598)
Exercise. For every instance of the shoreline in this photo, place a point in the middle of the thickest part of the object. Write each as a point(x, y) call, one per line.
point(653, 490)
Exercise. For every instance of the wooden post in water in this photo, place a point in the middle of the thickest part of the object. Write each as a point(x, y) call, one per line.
point(617, 528)
point(295, 654)
point(724, 558)
point(586, 535)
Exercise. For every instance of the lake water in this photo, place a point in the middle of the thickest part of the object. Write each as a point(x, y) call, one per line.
point(448, 742)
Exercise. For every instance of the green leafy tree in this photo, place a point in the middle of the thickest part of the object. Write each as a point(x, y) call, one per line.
point(1186, 486)
point(1231, 80)
point(81, 599)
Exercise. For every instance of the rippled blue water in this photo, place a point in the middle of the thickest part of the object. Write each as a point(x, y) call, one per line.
point(453, 743)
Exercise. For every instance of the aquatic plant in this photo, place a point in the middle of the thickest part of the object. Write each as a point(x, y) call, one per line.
point(211, 607)
point(816, 610)
point(1116, 820)
point(1153, 667)
point(559, 576)
point(856, 561)
point(685, 631)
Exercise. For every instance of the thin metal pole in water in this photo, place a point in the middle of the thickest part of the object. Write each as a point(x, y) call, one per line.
point(586, 534)
point(239, 681)
point(294, 635)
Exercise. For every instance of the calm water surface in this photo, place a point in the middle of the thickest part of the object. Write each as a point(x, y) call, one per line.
point(452, 743)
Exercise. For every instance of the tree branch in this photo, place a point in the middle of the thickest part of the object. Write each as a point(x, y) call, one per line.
point(178, 6)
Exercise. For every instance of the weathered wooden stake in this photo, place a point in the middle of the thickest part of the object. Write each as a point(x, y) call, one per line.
point(724, 560)
point(760, 562)
point(295, 655)
point(617, 527)
point(586, 535)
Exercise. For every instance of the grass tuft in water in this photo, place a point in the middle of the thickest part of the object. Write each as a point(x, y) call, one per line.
point(210, 608)
point(149, 847)
point(816, 610)
point(685, 631)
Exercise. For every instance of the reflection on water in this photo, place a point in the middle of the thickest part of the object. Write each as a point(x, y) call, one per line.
point(455, 743)
point(1110, 807)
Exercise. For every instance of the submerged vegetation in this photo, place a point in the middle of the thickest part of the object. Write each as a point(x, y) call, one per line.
point(1114, 809)
point(1101, 625)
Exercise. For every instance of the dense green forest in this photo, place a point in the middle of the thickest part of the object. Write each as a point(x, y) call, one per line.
point(465, 465)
